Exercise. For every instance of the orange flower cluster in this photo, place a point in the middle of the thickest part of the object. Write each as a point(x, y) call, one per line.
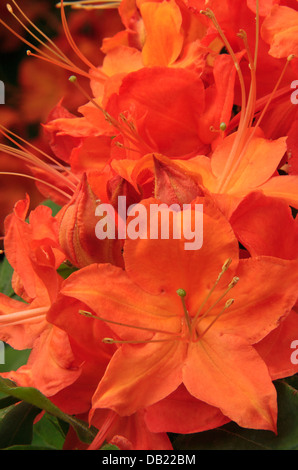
point(194, 104)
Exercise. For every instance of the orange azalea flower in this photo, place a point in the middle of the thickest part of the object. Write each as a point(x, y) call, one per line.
point(95, 356)
point(202, 339)
point(76, 398)
point(33, 251)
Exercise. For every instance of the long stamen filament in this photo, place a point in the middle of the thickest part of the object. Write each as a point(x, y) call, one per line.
point(37, 163)
point(211, 15)
point(11, 173)
point(244, 126)
point(7, 133)
point(56, 51)
point(116, 341)
point(243, 117)
point(224, 268)
point(197, 320)
point(62, 61)
point(257, 33)
point(71, 40)
point(60, 53)
point(130, 133)
point(227, 305)
point(88, 4)
point(252, 134)
point(182, 294)
point(151, 330)
point(32, 160)
point(291, 57)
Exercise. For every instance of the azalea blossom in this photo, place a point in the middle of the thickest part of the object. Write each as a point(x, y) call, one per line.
point(203, 340)
point(168, 105)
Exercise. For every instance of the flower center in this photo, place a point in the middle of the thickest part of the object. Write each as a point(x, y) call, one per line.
point(190, 330)
point(194, 332)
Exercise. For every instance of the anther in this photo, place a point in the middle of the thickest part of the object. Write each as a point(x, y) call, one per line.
point(86, 314)
point(72, 79)
point(242, 34)
point(224, 268)
point(108, 340)
point(222, 127)
point(207, 13)
point(233, 282)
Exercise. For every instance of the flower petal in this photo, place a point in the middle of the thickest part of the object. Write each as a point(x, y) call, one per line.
point(181, 413)
point(227, 373)
point(124, 387)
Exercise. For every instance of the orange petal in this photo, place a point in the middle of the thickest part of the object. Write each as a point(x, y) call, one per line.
point(284, 187)
point(264, 295)
point(265, 226)
point(122, 60)
point(124, 387)
point(51, 365)
point(164, 40)
point(257, 165)
point(227, 373)
point(131, 432)
point(181, 413)
point(23, 334)
point(276, 349)
point(280, 30)
point(172, 97)
point(168, 266)
point(126, 304)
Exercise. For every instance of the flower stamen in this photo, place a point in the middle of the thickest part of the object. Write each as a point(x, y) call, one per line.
point(92, 4)
point(227, 305)
point(127, 130)
point(197, 320)
point(143, 328)
point(33, 159)
point(23, 175)
point(182, 294)
point(224, 268)
point(57, 57)
point(116, 341)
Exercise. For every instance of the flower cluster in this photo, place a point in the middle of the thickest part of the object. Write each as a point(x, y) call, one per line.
point(193, 105)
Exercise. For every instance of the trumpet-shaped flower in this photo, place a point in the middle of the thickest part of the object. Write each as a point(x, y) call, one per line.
point(175, 321)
